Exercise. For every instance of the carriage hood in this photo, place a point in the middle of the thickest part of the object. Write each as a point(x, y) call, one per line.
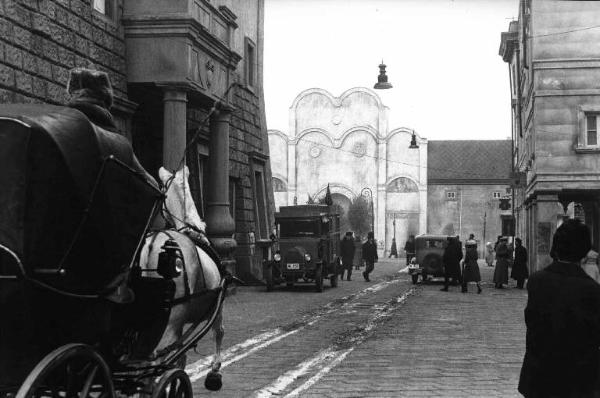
point(73, 195)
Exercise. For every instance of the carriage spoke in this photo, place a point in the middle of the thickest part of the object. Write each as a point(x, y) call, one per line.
point(88, 382)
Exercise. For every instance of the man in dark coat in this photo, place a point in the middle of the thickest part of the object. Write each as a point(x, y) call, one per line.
point(519, 269)
point(563, 322)
point(451, 259)
point(369, 254)
point(347, 252)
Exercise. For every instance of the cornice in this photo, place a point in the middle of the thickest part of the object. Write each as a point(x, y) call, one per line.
point(183, 26)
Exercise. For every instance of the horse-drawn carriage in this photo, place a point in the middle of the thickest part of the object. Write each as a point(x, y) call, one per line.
point(92, 301)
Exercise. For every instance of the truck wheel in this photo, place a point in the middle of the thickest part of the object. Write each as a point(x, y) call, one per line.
point(319, 279)
point(415, 278)
point(269, 279)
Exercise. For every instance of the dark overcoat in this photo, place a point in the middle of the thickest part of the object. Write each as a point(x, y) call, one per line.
point(501, 271)
point(471, 272)
point(451, 258)
point(369, 251)
point(347, 251)
point(519, 269)
point(563, 333)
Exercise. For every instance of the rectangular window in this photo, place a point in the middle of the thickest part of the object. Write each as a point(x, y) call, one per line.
point(250, 63)
point(591, 129)
point(497, 195)
point(106, 7)
point(451, 195)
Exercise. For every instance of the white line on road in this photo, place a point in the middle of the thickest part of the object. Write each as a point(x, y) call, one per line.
point(200, 368)
point(329, 358)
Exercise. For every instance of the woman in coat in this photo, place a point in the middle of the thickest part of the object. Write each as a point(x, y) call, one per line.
point(471, 270)
point(501, 271)
point(519, 270)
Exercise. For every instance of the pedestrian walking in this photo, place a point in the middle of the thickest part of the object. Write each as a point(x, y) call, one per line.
point(501, 271)
point(347, 252)
point(519, 270)
point(590, 265)
point(393, 249)
point(489, 254)
point(563, 322)
point(471, 268)
point(409, 248)
point(369, 255)
point(451, 259)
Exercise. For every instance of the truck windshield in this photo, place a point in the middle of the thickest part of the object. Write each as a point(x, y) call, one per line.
point(297, 228)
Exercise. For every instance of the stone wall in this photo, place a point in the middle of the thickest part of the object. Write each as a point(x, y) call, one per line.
point(41, 40)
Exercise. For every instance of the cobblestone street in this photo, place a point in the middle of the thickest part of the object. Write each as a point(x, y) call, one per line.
point(386, 338)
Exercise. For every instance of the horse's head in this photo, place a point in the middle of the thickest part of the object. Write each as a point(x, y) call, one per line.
point(180, 206)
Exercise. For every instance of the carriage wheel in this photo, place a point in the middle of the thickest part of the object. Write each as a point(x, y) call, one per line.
point(73, 370)
point(175, 383)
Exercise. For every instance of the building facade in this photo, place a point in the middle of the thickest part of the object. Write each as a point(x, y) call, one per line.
point(466, 181)
point(170, 62)
point(345, 142)
point(552, 52)
point(441, 187)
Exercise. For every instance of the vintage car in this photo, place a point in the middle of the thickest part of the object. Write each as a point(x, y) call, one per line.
point(309, 241)
point(429, 251)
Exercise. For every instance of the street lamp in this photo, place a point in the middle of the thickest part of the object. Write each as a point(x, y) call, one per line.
point(362, 193)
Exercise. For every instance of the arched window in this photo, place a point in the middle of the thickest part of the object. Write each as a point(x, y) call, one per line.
point(402, 184)
point(278, 185)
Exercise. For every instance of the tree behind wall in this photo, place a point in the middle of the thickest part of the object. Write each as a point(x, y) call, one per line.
point(359, 216)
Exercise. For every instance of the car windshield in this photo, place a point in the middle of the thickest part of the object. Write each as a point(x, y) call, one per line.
point(298, 228)
point(438, 244)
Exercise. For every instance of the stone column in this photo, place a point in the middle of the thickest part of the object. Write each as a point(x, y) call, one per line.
point(174, 128)
point(545, 209)
point(220, 226)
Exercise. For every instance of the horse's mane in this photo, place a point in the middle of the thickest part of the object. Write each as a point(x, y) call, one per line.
point(180, 206)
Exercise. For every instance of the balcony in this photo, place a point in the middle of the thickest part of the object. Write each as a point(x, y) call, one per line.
point(180, 43)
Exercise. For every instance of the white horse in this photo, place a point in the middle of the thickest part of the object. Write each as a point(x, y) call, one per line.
point(200, 270)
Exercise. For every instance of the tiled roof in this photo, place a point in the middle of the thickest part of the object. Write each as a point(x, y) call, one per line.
point(468, 160)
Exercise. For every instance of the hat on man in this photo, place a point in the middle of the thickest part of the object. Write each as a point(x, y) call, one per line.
point(92, 83)
point(371, 235)
point(349, 233)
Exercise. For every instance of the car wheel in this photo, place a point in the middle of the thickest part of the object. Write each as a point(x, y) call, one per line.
point(415, 278)
point(433, 262)
point(269, 279)
point(319, 279)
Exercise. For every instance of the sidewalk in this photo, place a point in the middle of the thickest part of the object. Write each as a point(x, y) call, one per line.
point(440, 345)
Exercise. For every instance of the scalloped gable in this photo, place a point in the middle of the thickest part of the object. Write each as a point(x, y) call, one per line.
point(317, 108)
point(468, 160)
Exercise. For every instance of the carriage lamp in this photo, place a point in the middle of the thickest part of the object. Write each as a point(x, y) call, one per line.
point(170, 260)
point(307, 256)
point(277, 256)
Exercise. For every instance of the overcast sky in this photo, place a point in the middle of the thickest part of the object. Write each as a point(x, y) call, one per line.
point(441, 55)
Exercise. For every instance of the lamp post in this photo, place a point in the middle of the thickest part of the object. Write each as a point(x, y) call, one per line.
point(362, 193)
